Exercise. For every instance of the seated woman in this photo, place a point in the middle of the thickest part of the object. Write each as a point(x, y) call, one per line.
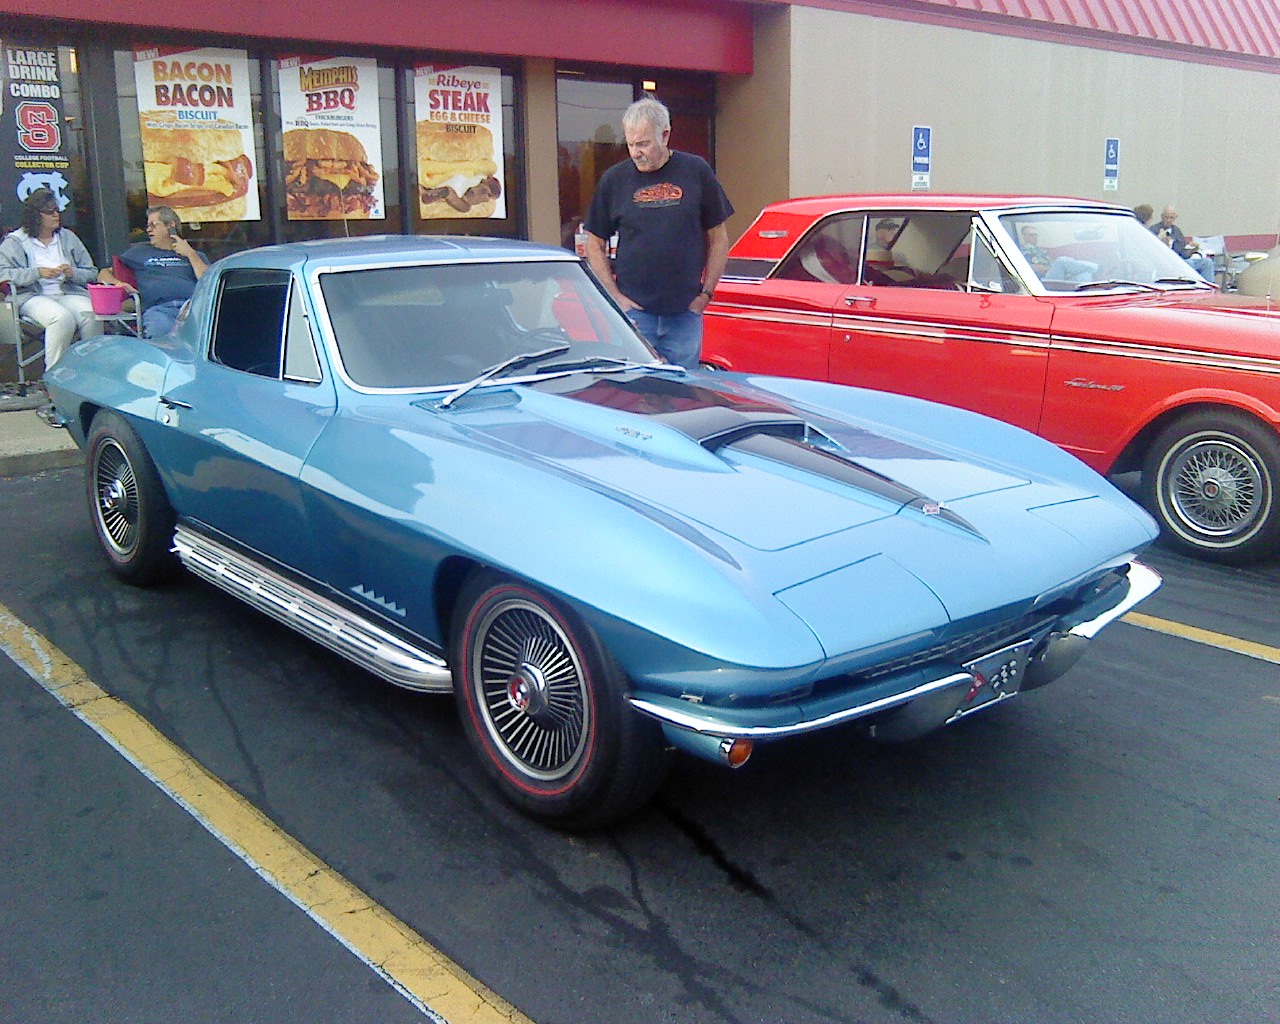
point(47, 268)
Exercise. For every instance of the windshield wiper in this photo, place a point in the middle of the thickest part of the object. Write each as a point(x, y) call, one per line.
point(515, 362)
point(1115, 283)
point(601, 363)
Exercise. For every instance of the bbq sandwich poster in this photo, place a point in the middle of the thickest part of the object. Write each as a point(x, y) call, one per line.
point(332, 138)
point(459, 140)
point(196, 116)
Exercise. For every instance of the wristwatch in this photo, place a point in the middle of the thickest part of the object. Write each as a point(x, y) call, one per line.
point(705, 292)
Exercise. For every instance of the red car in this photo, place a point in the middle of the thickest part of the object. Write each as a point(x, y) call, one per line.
point(1065, 317)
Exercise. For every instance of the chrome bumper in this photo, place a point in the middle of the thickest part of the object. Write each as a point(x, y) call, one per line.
point(1054, 655)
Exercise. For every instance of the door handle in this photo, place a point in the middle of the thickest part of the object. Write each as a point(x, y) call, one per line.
point(859, 300)
point(172, 403)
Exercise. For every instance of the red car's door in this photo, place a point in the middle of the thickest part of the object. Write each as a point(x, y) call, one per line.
point(982, 351)
point(777, 327)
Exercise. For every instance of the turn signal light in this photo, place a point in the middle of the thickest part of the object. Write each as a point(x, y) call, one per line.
point(736, 753)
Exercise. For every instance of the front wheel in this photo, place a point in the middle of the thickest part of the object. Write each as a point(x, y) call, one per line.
point(1210, 479)
point(131, 513)
point(544, 706)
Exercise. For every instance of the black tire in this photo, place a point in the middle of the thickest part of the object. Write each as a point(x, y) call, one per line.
point(130, 511)
point(545, 708)
point(1210, 478)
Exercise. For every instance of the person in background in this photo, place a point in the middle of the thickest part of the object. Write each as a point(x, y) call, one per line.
point(1144, 213)
point(669, 212)
point(167, 267)
point(1169, 233)
point(1036, 254)
point(47, 268)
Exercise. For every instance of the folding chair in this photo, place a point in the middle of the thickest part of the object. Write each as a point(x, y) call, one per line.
point(23, 333)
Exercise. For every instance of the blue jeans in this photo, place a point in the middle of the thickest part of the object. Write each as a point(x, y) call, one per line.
point(677, 336)
point(158, 320)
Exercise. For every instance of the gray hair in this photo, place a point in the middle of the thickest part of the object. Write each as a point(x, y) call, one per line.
point(647, 111)
point(167, 217)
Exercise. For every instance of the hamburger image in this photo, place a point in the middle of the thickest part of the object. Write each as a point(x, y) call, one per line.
point(200, 170)
point(456, 170)
point(327, 175)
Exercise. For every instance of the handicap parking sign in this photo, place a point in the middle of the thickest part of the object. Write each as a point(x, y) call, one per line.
point(921, 156)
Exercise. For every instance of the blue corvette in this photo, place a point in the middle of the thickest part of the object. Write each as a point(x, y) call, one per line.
point(455, 463)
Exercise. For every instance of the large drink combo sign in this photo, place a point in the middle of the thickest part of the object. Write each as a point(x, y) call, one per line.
point(196, 118)
point(332, 138)
point(32, 127)
point(459, 111)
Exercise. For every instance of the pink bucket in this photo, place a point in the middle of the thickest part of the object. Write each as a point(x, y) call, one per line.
point(106, 298)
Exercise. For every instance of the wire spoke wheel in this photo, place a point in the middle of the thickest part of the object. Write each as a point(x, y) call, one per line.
point(1210, 478)
point(116, 506)
point(1214, 485)
point(531, 689)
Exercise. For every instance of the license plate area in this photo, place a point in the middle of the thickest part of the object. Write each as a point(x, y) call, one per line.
point(996, 676)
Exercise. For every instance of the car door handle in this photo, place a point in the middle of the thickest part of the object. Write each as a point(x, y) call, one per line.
point(859, 300)
point(173, 403)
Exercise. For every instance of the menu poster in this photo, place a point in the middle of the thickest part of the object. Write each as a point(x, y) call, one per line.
point(460, 169)
point(332, 138)
point(196, 115)
point(32, 129)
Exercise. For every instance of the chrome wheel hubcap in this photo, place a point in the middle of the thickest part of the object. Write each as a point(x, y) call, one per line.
point(1216, 488)
point(531, 690)
point(116, 488)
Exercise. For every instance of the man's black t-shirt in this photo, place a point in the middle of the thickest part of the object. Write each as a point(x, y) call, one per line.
point(163, 275)
point(661, 218)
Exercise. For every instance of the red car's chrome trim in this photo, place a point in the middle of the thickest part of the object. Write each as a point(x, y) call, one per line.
point(1155, 353)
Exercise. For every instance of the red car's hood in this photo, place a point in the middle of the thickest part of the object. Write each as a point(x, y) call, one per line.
point(1239, 325)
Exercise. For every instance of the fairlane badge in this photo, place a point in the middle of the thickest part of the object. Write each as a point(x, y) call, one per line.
point(1080, 382)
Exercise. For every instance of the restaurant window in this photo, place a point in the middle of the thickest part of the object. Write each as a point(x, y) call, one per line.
point(397, 209)
point(589, 108)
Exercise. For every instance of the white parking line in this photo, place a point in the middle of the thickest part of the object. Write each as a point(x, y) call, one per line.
point(433, 983)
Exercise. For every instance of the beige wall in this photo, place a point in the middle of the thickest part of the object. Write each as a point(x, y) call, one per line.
point(753, 124)
point(834, 97)
point(540, 151)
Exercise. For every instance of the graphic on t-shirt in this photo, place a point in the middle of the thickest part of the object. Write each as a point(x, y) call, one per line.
point(665, 194)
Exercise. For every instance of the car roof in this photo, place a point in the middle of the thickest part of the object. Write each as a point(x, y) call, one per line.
point(817, 206)
point(384, 249)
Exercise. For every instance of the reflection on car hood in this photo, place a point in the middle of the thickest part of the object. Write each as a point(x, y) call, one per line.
point(1203, 321)
point(742, 462)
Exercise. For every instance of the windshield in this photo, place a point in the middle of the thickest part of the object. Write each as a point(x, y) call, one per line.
point(438, 325)
point(1081, 250)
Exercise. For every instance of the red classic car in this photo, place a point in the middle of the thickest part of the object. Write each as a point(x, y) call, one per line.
point(1065, 317)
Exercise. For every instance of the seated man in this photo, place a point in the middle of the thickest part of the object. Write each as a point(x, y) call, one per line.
point(1169, 233)
point(1052, 268)
point(880, 253)
point(166, 266)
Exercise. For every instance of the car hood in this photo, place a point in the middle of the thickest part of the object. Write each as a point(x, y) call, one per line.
point(1210, 322)
point(748, 465)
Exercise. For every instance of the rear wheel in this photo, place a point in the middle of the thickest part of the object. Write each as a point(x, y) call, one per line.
point(544, 706)
point(1210, 478)
point(127, 503)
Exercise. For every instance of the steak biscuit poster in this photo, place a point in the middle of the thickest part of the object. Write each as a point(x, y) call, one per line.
point(196, 116)
point(460, 172)
point(332, 138)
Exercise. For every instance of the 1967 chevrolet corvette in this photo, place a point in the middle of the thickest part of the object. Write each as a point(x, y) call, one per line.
point(455, 463)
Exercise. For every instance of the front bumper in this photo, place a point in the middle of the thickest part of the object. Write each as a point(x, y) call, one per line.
point(1055, 650)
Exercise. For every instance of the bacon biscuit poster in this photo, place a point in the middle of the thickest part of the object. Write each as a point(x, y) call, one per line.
point(196, 117)
point(332, 138)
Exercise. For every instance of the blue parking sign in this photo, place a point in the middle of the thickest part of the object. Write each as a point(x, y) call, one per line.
point(921, 156)
point(1111, 166)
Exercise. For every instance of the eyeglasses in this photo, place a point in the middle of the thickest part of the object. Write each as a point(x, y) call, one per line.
point(49, 209)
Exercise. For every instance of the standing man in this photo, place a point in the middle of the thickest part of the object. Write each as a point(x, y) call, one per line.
point(669, 213)
point(167, 267)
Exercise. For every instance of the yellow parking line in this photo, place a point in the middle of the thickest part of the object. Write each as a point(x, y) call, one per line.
point(426, 977)
point(1248, 648)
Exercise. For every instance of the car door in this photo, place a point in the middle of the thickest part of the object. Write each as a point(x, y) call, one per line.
point(944, 318)
point(245, 413)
